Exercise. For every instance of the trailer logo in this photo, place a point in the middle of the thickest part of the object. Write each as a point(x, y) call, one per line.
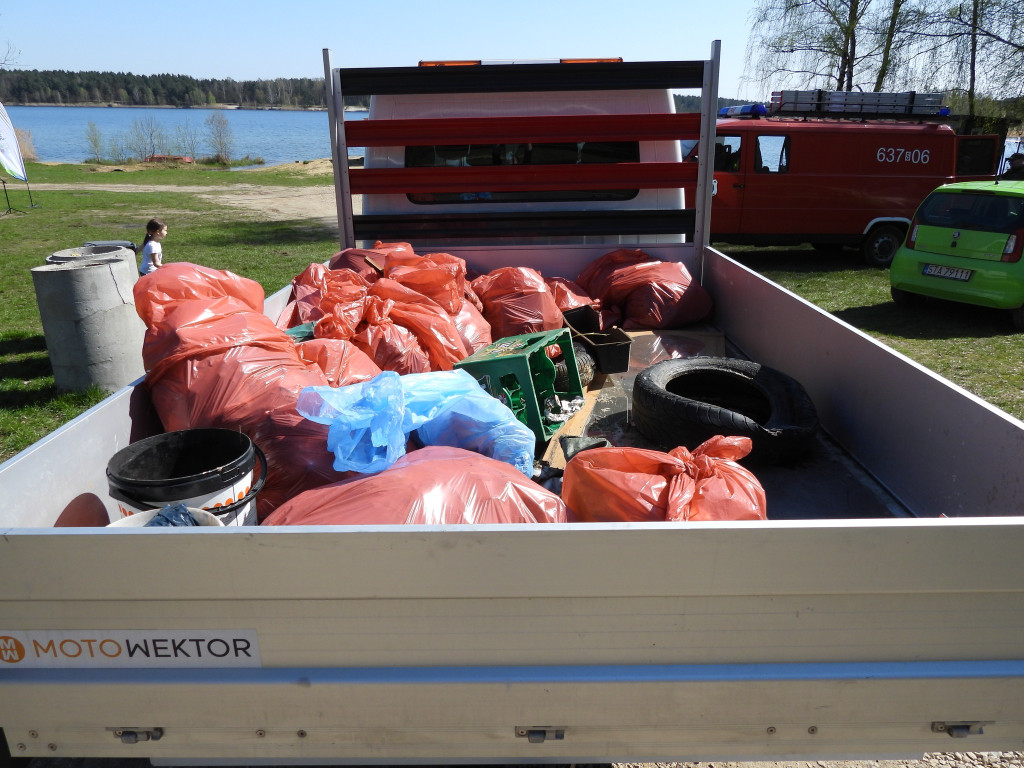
point(11, 649)
point(130, 648)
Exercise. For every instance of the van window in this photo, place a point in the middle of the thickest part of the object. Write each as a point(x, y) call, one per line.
point(975, 156)
point(984, 212)
point(727, 153)
point(772, 155)
point(522, 154)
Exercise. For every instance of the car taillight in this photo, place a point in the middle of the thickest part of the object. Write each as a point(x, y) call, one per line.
point(912, 237)
point(1014, 246)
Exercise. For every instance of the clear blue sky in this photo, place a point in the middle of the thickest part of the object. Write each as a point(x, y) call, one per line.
point(258, 39)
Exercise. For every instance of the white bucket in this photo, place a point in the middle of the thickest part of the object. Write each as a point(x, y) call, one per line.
point(209, 469)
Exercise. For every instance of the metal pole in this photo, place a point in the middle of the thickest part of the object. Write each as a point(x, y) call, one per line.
point(339, 153)
point(706, 152)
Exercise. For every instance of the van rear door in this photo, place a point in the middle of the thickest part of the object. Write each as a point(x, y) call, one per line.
point(977, 156)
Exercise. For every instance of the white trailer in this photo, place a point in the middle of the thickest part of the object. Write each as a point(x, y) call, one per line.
point(878, 612)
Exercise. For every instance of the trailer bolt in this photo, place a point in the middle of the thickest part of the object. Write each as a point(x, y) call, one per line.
point(34, 734)
point(22, 747)
point(52, 747)
point(812, 730)
point(301, 734)
point(261, 733)
point(770, 729)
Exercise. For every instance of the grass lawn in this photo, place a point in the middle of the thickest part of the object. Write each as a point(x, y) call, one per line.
point(271, 252)
point(973, 347)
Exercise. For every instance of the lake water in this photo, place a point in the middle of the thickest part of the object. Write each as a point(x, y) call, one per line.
point(59, 134)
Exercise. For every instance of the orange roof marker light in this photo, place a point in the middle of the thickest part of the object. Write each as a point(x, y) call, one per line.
point(465, 63)
point(617, 60)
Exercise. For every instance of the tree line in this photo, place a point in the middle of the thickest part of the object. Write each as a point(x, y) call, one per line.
point(58, 87)
point(970, 49)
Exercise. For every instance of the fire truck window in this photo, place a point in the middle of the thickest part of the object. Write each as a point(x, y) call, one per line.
point(727, 153)
point(772, 154)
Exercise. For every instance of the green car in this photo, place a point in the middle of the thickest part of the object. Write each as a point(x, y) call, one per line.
point(965, 245)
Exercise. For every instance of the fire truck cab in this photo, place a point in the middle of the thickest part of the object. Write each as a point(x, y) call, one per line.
point(837, 169)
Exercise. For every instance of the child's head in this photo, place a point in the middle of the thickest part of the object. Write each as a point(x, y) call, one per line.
point(153, 227)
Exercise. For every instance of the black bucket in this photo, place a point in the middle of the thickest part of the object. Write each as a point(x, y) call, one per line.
point(209, 469)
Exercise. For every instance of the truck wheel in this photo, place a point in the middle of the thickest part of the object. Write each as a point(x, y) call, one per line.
point(881, 244)
point(685, 402)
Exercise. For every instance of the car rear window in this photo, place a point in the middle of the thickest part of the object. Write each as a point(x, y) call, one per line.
point(973, 210)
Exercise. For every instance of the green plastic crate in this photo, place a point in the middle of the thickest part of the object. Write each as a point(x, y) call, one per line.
point(518, 371)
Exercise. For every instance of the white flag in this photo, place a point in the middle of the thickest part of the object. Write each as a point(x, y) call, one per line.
point(10, 152)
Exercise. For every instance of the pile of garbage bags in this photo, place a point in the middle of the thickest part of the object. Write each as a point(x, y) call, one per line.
point(352, 396)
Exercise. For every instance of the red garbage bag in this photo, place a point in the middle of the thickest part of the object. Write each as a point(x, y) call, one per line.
point(342, 362)
point(517, 301)
point(308, 288)
point(354, 260)
point(474, 330)
point(343, 304)
point(438, 276)
point(434, 329)
point(638, 485)
point(390, 346)
point(568, 295)
point(435, 485)
point(668, 295)
point(181, 280)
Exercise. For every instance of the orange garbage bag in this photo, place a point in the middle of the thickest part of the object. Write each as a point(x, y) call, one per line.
point(354, 259)
point(438, 276)
point(568, 295)
point(516, 301)
point(343, 305)
point(639, 485)
point(474, 330)
point(342, 362)
point(666, 295)
point(181, 280)
point(435, 485)
point(434, 329)
point(389, 345)
point(215, 362)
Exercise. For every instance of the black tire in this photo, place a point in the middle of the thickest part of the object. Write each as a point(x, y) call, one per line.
point(1017, 318)
point(685, 402)
point(903, 298)
point(881, 244)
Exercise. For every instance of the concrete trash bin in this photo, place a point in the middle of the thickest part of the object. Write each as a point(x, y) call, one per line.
point(107, 249)
point(93, 333)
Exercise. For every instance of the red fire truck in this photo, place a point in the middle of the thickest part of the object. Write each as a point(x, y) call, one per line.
point(837, 169)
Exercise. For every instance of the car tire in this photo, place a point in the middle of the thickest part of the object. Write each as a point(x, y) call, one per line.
point(1017, 317)
point(903, 298)
point(685, 402)
point(584, 364)
point(881, 244)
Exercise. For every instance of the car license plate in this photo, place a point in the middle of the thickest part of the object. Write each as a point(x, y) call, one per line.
point(951, 273)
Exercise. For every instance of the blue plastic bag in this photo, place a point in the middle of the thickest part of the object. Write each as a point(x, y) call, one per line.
point(370, 423)
point(365, 421)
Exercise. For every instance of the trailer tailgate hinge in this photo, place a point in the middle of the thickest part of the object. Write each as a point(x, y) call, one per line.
point(540, 734)
point(135, 735)
point(960, 729)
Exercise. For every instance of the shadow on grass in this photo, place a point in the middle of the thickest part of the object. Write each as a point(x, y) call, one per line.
point(23, 358)
point(796, 259)
point(275, 233)
point(930, 319)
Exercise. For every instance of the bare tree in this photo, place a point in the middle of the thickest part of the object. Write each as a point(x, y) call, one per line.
point(187, 139)
point(220, 137)
point(95, 141)
point(145, 138)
